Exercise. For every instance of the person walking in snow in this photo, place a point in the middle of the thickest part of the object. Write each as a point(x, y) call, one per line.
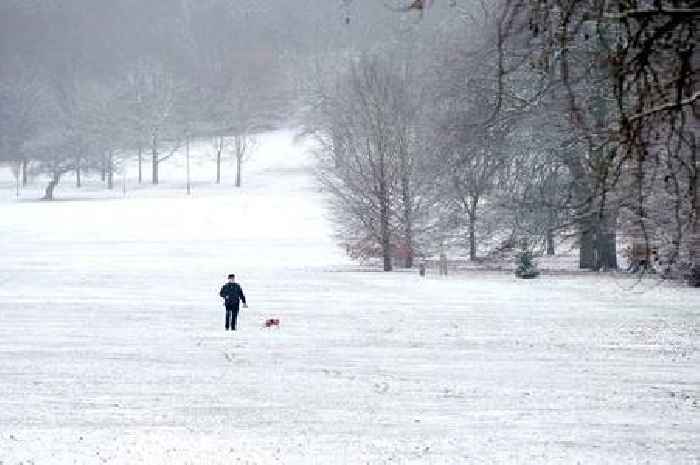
point(232, 294)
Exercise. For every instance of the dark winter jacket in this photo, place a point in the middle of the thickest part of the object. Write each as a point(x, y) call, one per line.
point(232, 293)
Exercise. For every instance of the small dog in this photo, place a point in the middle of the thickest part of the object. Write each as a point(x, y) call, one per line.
point(270, 322)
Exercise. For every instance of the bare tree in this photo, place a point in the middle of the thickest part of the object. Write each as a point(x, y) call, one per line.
point(218, 144)
point(360, 163)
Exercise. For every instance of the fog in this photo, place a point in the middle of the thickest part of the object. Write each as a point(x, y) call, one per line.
point(103, 40)
point(530, 167)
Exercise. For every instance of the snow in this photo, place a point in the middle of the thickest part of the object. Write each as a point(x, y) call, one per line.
point(112, 347)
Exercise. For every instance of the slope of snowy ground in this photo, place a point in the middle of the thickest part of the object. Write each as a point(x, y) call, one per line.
point(112, 347)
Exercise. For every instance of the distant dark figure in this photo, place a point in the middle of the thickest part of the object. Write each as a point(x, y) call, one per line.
point(421, 268)
point(232, 294)
point(443, 264)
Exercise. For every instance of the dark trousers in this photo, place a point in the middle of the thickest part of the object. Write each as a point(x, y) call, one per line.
point(231, 317)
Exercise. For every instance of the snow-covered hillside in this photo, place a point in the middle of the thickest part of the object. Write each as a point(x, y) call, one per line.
point(112, 348)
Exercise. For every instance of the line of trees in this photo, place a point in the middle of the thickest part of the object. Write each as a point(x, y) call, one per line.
point(532, 122)
point(89, 85)
point(480, 126)
point(86, 86)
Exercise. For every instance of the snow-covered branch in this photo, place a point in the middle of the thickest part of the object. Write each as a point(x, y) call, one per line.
point(666, 107)
point(644, 13)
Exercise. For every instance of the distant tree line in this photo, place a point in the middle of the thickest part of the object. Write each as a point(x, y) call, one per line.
point(86, 86)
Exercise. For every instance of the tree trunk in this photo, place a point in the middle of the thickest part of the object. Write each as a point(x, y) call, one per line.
point(77, 173)
point(408, 247)
point(154, 161)
point(110, 170)
point(384, 213)
point(608, 251)
point(238, 170)
point(550, 245)
point(407, 225)
point(694, 274)
point(471, 214)
point(406, 198)
point(606, 247)
point(586, 252)
point(48, 194)
point(239, 158)
point(103, 173)
point(25, 179)
point(694, 239)
point(140, 163)
point(598, 244)
point(386, 239)
point(18, 180)
point(218, 167)
point(219, 149)
point(550, 242)
point(472, 240)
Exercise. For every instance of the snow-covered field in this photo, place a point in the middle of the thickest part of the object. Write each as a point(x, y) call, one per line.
point(112, 347)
